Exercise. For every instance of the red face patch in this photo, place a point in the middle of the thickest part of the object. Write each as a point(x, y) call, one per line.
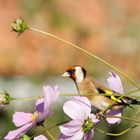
point(73, 76)
point(71, 68)
point(71, 71)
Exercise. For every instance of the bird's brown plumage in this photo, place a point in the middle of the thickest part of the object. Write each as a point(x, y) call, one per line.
point(95, 91)
point(89, 86)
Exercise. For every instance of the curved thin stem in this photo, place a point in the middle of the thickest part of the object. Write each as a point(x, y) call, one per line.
point(118, 134)
point(131, 92)
point(88, 53)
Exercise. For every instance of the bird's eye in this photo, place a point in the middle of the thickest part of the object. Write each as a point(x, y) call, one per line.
point(71, 71)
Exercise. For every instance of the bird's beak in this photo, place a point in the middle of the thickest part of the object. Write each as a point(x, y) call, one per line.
point(66, 74)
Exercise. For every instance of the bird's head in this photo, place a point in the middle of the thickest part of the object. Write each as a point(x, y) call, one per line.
point(77, 73)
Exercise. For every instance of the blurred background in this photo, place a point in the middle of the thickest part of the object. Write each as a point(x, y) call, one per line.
point(109, 29)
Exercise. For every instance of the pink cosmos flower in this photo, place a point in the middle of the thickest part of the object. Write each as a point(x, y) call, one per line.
point(83, 121)
point(26, 121)
point(115, 84)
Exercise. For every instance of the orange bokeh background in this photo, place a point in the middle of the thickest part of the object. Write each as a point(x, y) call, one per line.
point(109, 29)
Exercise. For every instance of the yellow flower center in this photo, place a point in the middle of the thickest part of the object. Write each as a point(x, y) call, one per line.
point(34, 116)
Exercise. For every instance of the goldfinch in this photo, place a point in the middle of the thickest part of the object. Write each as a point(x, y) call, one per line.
point(87, 85)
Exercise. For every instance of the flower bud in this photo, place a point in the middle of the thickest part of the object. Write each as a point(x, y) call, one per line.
point(25, 137)
point(19, 26)
point(5, 98)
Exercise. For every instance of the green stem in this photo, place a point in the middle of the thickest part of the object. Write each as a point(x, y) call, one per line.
point(62, 94)
point(137, 112)
point(88, 53)
point(117, 95)
point(28, 98)
point(49, 134)
point(118, 134)
point(131, 92)
point(61, 123)
point(76, 94)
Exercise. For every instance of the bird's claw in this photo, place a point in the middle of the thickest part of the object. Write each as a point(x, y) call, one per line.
point(100, 115)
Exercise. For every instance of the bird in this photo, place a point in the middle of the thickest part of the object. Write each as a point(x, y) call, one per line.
point(101, 97)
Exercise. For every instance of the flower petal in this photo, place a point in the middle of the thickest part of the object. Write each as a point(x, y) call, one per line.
point(16, 134)
point(40, 105)
point(44, 105)
point(77, 108)
point(115, 83)
point(94, 118)
point(50, 94)
point(21, 118)
point(40, 137)
point(77, 136)
point(70, 128)
point(114, 113)
point(89, 135)
point(42, 116)
point(63, 137)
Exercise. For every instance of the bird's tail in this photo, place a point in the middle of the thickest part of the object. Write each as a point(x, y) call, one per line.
point(133, 101)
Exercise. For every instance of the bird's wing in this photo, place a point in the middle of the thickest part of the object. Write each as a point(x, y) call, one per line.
point(108, 93)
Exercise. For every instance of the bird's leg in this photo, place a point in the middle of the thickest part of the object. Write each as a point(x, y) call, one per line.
point(99, 115)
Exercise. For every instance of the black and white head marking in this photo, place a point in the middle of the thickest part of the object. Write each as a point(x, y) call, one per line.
point(80, 74)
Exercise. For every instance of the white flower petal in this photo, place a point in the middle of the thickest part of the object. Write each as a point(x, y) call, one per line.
point(117, 113)
point(115, 83)
point(77, 108)
point(40, 137)
point(70, 128)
